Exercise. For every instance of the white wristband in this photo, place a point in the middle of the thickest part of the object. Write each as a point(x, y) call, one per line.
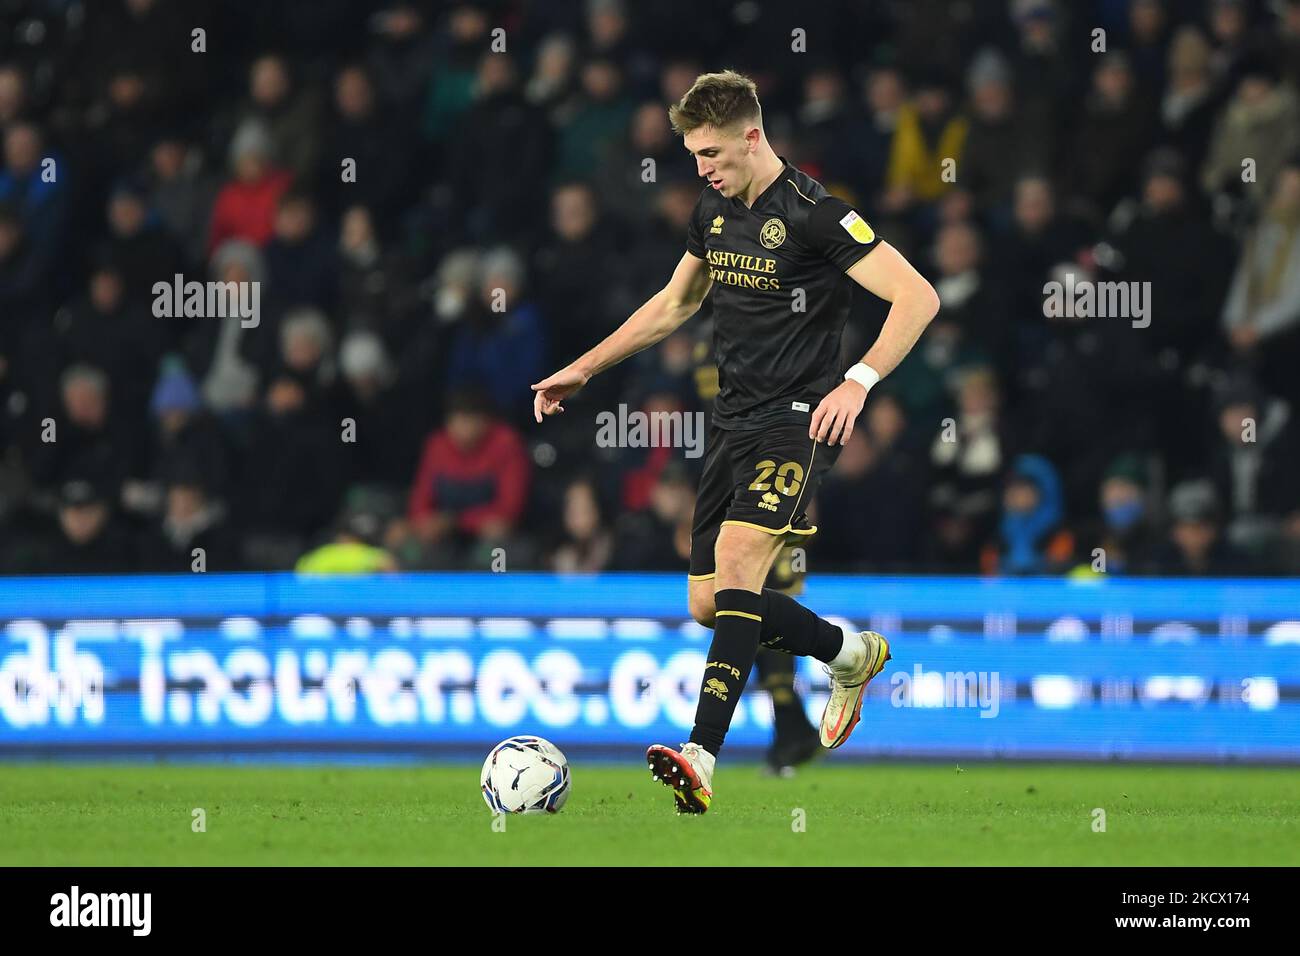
point(863, 374)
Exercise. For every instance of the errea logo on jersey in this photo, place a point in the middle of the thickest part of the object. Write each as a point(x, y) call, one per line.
point(857, 227)
point(716, 228)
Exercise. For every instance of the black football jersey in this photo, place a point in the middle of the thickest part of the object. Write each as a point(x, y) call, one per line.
point(780, 296)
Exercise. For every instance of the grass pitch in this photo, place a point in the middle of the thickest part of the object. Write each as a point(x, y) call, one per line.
point(851, 814)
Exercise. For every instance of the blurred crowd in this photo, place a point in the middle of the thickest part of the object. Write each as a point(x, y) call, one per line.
point(442, 202)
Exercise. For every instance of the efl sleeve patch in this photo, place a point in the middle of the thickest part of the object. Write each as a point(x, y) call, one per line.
point(858, 228)
point(836, 232)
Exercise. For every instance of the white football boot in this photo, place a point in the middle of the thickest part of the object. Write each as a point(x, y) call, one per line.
point(848, 686)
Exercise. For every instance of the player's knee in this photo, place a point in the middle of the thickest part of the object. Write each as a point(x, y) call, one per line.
point(743, 563)
point(702, 609)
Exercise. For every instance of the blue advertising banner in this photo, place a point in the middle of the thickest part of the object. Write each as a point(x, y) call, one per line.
point(450, 663)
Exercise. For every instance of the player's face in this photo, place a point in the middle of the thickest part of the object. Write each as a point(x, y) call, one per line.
point(723, 157)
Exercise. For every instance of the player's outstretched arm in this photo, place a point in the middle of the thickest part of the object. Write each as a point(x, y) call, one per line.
point(662, 313)
point(885, 273)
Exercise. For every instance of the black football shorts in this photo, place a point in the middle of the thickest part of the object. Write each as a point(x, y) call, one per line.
point(762, 479)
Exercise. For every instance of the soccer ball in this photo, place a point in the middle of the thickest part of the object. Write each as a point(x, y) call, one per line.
point(525, 775)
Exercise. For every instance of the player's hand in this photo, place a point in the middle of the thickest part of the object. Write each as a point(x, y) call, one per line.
point(833, 420)
point(549, 392)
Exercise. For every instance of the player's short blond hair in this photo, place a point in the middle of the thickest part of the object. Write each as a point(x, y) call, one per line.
point(718, 100)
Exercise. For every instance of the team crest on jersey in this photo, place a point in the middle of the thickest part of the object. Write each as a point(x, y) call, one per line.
point(772, 233)
point(857, 227)
point(716, 230)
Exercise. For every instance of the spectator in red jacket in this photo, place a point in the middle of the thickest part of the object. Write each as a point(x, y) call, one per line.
point(471, 485)
point(246, 205)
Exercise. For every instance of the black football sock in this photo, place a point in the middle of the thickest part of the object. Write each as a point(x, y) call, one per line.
point(736, 628)
point(789, 626)
point(776, 676)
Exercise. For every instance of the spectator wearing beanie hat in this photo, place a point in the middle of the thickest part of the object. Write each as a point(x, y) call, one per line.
point(245, 206)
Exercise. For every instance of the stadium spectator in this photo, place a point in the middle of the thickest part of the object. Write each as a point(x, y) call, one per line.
point(451, 87)
point(1040, 239)
point(834, 140)
point(116, 333)
point(1122, 539)
point(1261, 123)
point(1032, 538)
point(999, 146)
point(1190, 101)
point(402, 55)
point(186, 438)
point(352, 550)
point(973, 299)
point(587, 544)
point(88, 538)
point(1262, 313)
point(471, 484)
point(968, 456)
point(25, 298)
point(1148, 41)
point(1125, 168)
point(1110, 135)
point(924, 379)
point(30, 181)
point(573, 307)
point(90, 436)
point(666, 372)
point(499, 135)
point(1231, 34)
point(302, 266)
point(289, 114)
point(653, 251)
point(307, 356)
point(553, 85)
point(143, 251)
point(600, 117)
point(14, 102)
point(193, 534)
point(1284, 557)
point(361, 131)
point(1195, 544)
point(658, 538)
point(245, 206)
point(1168, 239)
point(853, 538)
point(388, 422)
point(292, 475)
point(181, 191)
point(929, 134)
point(213, 346)
point(1288, 43)
point(499, 345)
point(1254, 465)
point(622, 183)
point(884, 96)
